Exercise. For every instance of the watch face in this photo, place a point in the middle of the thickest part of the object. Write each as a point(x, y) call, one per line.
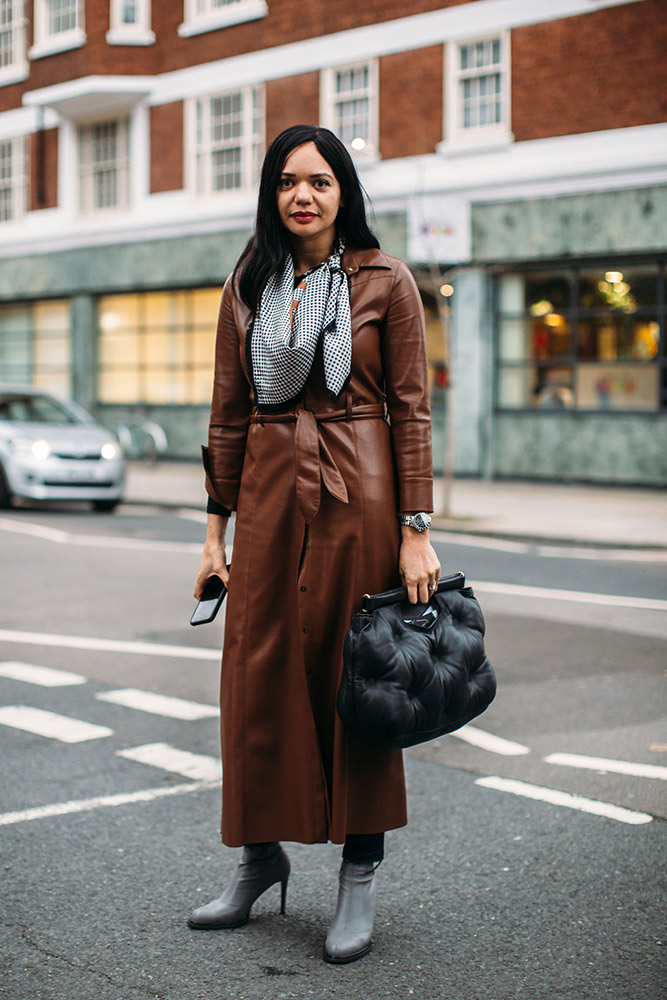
point(422, 522)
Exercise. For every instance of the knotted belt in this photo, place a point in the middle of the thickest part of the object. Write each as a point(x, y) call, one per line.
point(314, 462)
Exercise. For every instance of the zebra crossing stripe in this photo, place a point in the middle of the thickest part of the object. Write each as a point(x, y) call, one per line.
point(190, 765)
point(33, 674)
point(488, 741)
point(606, 765)
point(102, 802)
point(558, 798)
point(159, 704)
point(51, 725)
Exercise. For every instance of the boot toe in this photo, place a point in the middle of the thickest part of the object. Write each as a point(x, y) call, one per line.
point(340, 953)
point(214, 916)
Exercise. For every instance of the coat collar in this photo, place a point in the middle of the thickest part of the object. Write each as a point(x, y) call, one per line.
point(354, 258)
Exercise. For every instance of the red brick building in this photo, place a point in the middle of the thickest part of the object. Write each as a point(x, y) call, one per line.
point(520, 143)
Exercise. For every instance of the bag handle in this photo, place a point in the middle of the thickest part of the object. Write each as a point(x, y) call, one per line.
point(370, 602)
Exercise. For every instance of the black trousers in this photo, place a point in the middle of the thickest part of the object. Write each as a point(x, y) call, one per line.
point(360, 848)
point(363, 848)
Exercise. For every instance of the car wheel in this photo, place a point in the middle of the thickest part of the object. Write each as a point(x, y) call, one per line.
point(105, 505)
point(5, 492)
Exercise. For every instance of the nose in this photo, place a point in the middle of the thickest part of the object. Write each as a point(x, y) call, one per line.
point(302, 193)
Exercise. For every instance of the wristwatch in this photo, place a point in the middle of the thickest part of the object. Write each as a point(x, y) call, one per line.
point(420, 522)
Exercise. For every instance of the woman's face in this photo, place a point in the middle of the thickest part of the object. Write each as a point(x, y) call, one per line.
point(308, 194)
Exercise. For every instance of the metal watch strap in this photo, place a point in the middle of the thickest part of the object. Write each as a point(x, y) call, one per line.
point(420, 521)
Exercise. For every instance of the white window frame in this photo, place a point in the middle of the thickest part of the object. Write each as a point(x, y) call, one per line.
point(456, 136)
point(130, 34)
point(17, 69)
point(251, 157)
point(122, 164)
point(47, 42)
point(19, 181)
point(203, 15)
point(329, 99)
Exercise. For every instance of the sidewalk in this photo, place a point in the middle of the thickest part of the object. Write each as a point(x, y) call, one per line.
point(594, 515)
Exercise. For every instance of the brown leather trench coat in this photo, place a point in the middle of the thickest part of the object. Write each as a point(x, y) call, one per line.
point(316, 491)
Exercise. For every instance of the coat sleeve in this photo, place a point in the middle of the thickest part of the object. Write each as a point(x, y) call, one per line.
point(230, 410)
point(407, 389)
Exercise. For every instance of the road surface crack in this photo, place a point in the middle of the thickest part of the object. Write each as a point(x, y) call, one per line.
point(31, 943)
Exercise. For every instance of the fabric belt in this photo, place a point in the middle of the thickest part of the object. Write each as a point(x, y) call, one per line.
point(314, 462)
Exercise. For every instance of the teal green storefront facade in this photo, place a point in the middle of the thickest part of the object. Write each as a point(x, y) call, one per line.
point(501, 429)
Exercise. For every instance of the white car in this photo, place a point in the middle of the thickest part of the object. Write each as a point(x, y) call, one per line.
point(52, 449)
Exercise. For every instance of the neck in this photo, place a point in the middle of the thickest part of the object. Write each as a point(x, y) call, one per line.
point(310, 251)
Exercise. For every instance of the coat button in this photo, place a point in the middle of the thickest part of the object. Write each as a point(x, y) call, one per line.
point(309, 670)
point(306, 629)
point(304, 589)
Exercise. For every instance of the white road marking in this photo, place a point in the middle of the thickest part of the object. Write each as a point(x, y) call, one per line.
point(35, 530)
point(603, 764)
point(102, 802)
point(549, 551)
point(579, 596)
point(558, 798)
point(168, 758)
point(200, 516)
point(603, 555)
point(159, 704)
point(481, 541)
point(51, 725)
point(33, 674)
point(95, 541)
point(487, 741)
point(109, 645)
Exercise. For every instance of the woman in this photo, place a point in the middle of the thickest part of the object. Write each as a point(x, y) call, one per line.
point(318, 330)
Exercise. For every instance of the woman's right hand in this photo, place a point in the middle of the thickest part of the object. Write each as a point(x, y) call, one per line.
point(213, 561)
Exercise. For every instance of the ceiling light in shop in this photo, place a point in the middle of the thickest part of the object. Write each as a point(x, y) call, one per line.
point(358, 143)
point(541, 308)
point(613, 276)
point(446, 290)
point(553, 319)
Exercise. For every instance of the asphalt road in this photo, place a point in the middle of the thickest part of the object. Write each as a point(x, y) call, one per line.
point(488, 894)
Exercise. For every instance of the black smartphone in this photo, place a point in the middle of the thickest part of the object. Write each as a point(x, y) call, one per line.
point(212, 596)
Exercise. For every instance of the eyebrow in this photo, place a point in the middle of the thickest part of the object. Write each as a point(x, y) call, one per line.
point(322, 173)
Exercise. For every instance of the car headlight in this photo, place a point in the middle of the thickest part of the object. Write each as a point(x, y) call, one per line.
point(29, 448)
point(110, 450)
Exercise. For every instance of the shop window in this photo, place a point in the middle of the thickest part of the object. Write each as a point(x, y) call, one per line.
point(209, 15)
point(581, 339)
point(13, 179)
point(130, 23)
point(58, 25)
point(157, 347)
point(104, 165)
point(477, 99)
point(13, 64)
point(35, 344)
point(228, 141)
point(349, 105)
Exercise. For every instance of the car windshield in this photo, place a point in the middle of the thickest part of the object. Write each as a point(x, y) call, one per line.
point(26, 408)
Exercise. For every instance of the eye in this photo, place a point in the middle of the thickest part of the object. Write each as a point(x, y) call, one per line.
point(321, 182)
point(284, 182)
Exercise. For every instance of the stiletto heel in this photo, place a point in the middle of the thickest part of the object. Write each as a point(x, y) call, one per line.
point(260, 868)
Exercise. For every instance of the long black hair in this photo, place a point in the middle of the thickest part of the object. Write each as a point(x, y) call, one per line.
point(269, 245)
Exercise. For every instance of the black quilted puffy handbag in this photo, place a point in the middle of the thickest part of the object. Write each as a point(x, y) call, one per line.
point(412, 672)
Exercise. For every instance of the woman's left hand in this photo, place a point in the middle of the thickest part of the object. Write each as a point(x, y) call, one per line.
point(418, 565)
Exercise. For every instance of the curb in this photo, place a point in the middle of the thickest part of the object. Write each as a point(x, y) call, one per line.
point(454, 529)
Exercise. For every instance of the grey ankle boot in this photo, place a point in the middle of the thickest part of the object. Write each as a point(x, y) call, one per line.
point(262, 865)
point(349, 936)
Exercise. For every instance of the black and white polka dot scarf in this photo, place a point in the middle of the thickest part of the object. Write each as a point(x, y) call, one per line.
point(288, 327)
